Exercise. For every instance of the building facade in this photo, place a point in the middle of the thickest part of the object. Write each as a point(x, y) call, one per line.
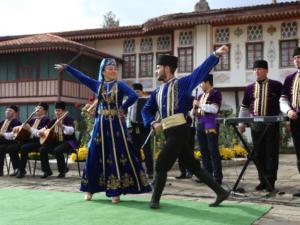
point(269, 31)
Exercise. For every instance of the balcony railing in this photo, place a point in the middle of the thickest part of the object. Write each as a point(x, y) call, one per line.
point(43, 88)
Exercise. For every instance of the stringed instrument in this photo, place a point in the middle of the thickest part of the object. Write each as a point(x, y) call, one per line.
point(49, 134)
point(93, 106)
point(23, 134)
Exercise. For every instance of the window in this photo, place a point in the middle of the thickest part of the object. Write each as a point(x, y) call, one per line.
point(286, 49)
point(28, 67)
point(224, 63)
point(222, 35)
point(289, 29)
point(254, 51)
point(255, 32)
point(146, 45)
point(186, 38)
point(164, 43)
point(129, 66)
point(185, 59)
point(146, 65)
point(128, 46)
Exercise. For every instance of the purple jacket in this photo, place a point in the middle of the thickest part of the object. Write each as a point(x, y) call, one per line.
point(209, 119)
point(68, 121)
point(287, 89)
point(272, 98)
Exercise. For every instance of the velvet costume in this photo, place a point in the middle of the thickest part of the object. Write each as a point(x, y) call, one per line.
point(112, 164)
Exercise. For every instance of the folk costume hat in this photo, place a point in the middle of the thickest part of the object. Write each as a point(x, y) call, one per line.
point(44, 105)
point(167, 60)
point(209, 78)
point(137, 86)
point(296, 51)
point(60, 105)
point(260, 64)
point(13, 107)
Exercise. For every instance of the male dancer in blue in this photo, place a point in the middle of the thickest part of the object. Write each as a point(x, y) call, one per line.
point(172, 101)
point(112, 165)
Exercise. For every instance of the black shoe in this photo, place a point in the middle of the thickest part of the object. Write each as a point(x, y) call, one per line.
point(46, 174)
point(188, 175)
point(271, 188)
point(154, 205)
point(21, 174)
point(182, 176)
point(260, 187)
point(220, 198)
point(1, 173)
point(297, 194)
point(61, 175)
point(198, 181)
point(14, 173)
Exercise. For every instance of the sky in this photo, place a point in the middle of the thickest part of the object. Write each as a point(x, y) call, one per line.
point(41, 16)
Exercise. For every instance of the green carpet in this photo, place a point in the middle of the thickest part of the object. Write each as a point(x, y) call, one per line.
point(38, 207)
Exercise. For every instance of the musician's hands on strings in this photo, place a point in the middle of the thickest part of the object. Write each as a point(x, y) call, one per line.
point(27, 127)
point(157, 126)
point(292, 114)
point(41, 132)
point(16, 129)
point(60, 67)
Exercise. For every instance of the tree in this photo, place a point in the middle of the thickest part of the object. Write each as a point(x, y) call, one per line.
point(109, 20)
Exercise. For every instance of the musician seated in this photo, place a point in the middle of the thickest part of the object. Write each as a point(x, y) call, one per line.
point(63, 142)
point(32, 143)
point(7, 144)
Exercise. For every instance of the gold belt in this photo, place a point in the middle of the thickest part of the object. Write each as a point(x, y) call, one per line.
point(106, 112)
point(173, 121)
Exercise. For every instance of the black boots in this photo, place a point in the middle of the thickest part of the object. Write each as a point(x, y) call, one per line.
point(159, 184)
point(222, 194)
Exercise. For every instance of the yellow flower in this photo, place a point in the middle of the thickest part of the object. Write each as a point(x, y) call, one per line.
point(226, 153)
point(239, 151)
point(82, 154)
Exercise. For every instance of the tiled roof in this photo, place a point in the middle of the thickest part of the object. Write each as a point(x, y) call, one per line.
point(167, 23)
point(47, 42)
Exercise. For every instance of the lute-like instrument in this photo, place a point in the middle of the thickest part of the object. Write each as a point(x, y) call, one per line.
point(49, 135)
point(23, 134)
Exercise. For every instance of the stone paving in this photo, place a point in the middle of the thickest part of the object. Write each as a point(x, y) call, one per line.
point(285, 208)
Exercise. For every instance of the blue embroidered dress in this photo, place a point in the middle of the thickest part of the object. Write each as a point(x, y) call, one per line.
point(111, 165)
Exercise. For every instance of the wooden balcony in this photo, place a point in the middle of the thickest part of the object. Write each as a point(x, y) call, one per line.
point(43, 90)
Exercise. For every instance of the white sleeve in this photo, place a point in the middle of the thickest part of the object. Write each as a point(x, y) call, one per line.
point(40, 130)
point(68, 130)
point(284, 105)
point(34, 132)
point(209, 108)
point(244, 112)
point(9, 135)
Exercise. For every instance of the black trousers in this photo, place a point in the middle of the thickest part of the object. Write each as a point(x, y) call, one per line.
point(209, 147)
point(266, 152)
point(295, 128)
point(12, 148)
point(182, 168)
point(138, 135)
point(58, 151)
point(26, 148)
point(177, 146)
